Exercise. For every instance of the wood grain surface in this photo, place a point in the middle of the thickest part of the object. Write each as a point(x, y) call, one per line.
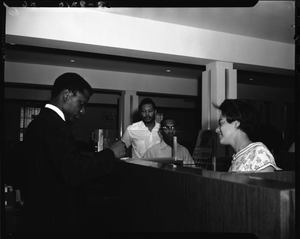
point(179, 200)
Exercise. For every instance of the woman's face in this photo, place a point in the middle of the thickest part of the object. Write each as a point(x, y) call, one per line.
point(226, 131)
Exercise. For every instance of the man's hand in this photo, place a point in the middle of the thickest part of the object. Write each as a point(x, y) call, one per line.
point(119, 149)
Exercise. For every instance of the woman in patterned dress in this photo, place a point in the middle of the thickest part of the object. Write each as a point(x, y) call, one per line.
point(237, 127)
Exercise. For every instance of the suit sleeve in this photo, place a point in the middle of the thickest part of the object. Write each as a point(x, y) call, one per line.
point(68, 163)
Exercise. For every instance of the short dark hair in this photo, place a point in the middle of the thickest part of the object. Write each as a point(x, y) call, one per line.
point(70, 81)
point(242, 111)
point(146, 101)
point(163, 122)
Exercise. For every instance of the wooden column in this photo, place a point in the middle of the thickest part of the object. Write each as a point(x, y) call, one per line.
point(219, 82)
point(129, 102)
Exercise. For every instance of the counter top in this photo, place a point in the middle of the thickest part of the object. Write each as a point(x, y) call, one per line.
point(277, 179)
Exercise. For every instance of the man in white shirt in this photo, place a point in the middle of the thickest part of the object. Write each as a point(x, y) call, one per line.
point(143, 134)
point(164, 148)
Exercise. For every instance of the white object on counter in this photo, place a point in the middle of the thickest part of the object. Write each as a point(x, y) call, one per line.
point(99, 139)
point(174, 150)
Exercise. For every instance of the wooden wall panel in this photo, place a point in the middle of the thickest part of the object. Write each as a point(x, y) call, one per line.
point(177, 200)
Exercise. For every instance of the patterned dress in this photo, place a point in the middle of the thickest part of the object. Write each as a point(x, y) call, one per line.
point(254, 157)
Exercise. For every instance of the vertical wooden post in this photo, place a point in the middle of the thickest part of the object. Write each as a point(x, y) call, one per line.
point(219, 82)
point(128, 104)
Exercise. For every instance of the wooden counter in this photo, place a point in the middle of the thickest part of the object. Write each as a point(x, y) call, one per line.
point(155, 197)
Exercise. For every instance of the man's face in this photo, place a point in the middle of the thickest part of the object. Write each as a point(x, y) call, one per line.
point(147, 113)
point(74, 105)
point(168, 131)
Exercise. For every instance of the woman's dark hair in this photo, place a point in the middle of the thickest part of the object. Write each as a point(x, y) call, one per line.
point(70, 81)
point(242, 111)
point(146, 101)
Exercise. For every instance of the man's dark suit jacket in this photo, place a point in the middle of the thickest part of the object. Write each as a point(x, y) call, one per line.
point(55, 175)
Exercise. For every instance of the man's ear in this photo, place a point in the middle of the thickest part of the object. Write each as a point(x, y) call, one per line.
point(66, 94)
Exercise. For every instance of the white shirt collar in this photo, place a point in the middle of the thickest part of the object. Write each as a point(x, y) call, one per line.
point(157, 125)
point(57, 110)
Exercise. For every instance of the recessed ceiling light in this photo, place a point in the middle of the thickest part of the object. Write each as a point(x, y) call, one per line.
point(72, 60)
point(250, 78)
point(168, 71)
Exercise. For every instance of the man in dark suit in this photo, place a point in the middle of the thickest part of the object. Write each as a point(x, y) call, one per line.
point(56, 172)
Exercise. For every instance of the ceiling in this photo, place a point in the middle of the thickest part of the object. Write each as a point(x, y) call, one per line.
point(271, 20)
